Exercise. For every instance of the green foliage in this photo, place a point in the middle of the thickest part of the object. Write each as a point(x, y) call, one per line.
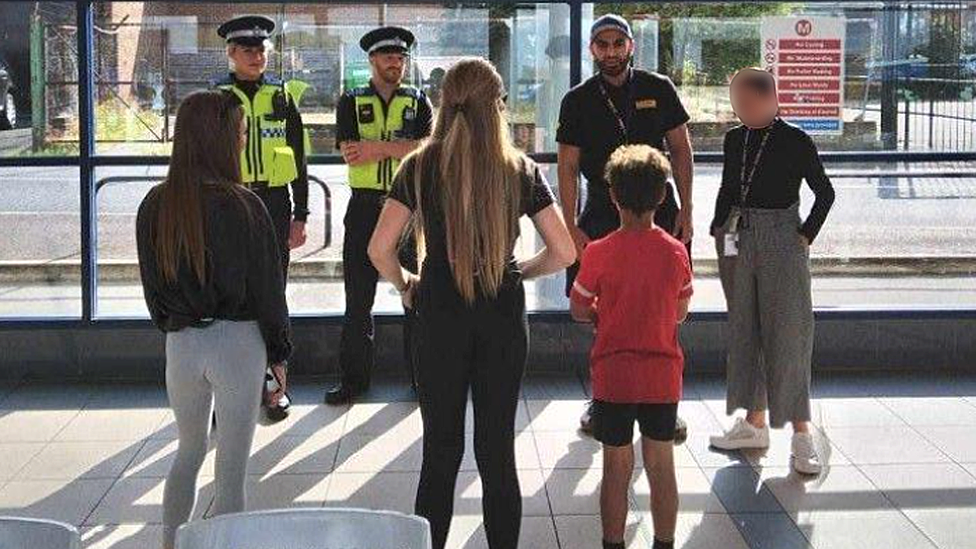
point(667, 12)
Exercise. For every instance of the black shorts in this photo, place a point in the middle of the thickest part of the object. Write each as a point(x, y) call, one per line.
point(613, 424)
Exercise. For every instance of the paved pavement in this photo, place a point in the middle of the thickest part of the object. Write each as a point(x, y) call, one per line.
point(900, 454)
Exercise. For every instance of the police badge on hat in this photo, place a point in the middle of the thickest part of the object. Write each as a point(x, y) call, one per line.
point(387, 40)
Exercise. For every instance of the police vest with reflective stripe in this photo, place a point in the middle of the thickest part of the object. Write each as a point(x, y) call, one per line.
point(397, 122)
point(267, 158)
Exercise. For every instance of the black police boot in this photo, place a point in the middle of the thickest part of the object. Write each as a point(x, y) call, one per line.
point(343, 393)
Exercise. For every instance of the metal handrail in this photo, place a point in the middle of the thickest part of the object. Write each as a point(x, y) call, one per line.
point(327, 213)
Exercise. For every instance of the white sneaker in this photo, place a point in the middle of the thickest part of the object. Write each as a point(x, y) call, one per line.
point(741, 436)
point(804, 456)
point(586, 420)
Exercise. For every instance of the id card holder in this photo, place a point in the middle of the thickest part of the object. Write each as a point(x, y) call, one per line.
point(730, 247)
point(734, 219)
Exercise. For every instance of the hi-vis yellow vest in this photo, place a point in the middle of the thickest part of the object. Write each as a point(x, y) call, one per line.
point(396, 123)
point(267, 158)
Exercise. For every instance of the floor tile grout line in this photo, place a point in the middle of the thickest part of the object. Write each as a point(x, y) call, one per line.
point(115, 481)
point(937, 447)
point(545, 479)
point(47, 443)
point(891, 502)
point(342, 436)
point(753, 469)
point(13, 477)
point(920, 433)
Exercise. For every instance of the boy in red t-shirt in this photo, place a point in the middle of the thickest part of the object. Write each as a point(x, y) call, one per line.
point(634, 285)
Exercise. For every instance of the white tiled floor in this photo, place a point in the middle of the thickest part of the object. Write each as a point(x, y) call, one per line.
point(901, 472)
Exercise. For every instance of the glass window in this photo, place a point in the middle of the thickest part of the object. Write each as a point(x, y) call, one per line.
point(861, 77)
point(40, 259)
point(315, 275)
point(152, 54)
point(38, 79)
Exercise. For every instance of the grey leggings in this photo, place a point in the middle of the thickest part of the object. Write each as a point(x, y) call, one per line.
point(767, 288)
point(224, 364)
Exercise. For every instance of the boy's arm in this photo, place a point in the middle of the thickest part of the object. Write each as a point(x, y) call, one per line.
point(683, 309)
point(583, 297)
point(582, 309)
point(684, 294)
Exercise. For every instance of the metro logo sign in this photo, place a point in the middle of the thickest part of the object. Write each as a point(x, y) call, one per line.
point(806, 55)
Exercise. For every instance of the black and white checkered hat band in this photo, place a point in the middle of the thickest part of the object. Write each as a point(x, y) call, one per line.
point(389, 43)
point(248, 33)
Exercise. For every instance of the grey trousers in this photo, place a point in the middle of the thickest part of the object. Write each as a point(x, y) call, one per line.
point(222, 365)
point(767, 289)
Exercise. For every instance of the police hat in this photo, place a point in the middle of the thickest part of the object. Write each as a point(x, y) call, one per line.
point(247, 30)
point(387, 40)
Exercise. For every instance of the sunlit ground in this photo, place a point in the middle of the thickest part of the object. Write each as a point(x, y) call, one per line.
point(901, 453)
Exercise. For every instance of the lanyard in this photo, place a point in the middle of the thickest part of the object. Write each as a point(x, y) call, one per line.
point(746, 182)
point(622, 121)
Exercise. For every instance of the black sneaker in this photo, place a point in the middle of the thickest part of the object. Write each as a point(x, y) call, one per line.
point(342, 393)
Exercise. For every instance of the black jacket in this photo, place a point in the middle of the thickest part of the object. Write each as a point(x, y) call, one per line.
point(243, 274)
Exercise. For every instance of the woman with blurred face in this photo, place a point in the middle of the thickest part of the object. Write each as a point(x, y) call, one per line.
point(764, 263)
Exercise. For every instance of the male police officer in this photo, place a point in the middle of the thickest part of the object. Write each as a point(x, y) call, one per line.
point(377, 125)
point(619, 105)
point(274, 156)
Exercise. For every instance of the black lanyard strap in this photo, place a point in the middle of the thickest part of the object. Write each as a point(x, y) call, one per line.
point(746, 179)
point(622, 121)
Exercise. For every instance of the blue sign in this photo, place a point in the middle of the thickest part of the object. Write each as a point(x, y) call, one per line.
point(817, 124)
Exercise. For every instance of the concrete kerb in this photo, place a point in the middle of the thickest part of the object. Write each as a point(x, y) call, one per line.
point(121, 271)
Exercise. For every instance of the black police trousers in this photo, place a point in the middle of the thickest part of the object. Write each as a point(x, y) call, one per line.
point(479, 349)
point(278, 202)
point(357, 353)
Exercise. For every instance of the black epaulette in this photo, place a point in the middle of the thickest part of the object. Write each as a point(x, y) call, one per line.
point(409, 91)
point(362, 91)
point(222, 80)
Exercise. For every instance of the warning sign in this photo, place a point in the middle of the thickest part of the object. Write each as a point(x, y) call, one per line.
point(806, 54)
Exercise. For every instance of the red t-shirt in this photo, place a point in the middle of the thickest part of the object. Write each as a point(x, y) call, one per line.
point(636, 279)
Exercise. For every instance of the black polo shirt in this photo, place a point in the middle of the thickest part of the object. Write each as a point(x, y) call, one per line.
point(650, 107)
point(347, 125)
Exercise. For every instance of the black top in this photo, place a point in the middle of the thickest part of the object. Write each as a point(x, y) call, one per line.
point(788, 157)
point(294, 136)
point(244, 278)
point(347, 126)
point(536, 196)
point(650, 107)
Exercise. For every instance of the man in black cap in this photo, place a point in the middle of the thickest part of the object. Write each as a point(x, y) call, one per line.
point(376, 126)
point(619, 105)
point(274, 155)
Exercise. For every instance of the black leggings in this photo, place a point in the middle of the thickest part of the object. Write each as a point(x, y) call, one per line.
point(481, 348)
